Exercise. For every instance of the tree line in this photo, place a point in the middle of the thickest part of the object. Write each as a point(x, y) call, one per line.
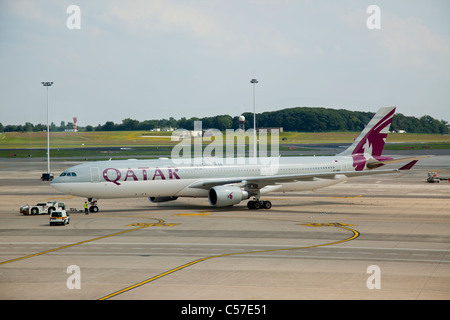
point(308, 119)
point(303, 119)
point(29, 127)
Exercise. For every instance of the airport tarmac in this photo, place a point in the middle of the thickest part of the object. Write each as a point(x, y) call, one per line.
point(373, 237)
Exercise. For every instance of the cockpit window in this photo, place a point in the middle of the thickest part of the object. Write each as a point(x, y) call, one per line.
point(68, 174)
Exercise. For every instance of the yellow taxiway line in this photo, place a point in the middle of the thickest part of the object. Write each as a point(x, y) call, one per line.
point(140, 226)
point(355, 234)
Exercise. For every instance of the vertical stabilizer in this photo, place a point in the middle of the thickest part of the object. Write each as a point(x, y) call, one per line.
point(370, 141)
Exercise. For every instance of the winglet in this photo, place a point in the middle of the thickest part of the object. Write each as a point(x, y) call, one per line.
point(409, 165)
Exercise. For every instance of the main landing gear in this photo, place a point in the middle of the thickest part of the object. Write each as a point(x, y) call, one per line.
point(259, 204)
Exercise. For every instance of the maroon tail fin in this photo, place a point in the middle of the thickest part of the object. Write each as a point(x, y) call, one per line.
point(370, 142)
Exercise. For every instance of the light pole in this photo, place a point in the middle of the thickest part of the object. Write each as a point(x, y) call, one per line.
point(47, 177)
point(254, 82)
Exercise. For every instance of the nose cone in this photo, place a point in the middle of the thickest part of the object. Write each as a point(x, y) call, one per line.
point(61, 184)
point(56, 183)
point(55, 180)
point(64, 188)
point(68, 179)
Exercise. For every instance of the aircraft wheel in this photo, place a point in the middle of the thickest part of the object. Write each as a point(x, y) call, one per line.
point(93, 209)
point(257, 204)
point(267, 204)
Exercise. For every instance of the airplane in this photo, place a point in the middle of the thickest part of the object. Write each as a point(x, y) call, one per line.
point(226, 184)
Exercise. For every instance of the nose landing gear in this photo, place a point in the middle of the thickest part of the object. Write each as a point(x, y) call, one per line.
point(93, 205)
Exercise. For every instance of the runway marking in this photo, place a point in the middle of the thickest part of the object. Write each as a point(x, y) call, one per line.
point(350, 197)
point(140, 226)
point(335, 224)
point(355, 234)
point(203, 213)
point(161, 223)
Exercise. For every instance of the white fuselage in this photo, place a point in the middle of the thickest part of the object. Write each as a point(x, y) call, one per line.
point(162, 177)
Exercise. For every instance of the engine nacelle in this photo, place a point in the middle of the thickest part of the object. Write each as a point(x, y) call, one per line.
point(162, 199)
point(222, 196)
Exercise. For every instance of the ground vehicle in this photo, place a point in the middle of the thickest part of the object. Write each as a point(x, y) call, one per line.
point(42, 208)
point(433, 177)
point(59, 217)
point(47, 177)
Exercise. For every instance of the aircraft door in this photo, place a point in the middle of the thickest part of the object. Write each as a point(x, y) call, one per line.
point(95, 174)
point(339, 166)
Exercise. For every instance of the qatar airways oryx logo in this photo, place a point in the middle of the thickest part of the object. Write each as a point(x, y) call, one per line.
point(212, 148)
point(371, 145)
point(230, 196)
point(360, 159)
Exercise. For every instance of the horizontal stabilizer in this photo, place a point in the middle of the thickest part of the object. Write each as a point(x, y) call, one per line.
point(408, 165)
point(376, 164)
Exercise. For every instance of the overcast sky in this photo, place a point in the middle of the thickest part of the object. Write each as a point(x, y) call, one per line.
point(157, 59)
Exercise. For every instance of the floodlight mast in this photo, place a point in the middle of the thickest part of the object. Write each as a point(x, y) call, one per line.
point(48, 176)
point(254, 82)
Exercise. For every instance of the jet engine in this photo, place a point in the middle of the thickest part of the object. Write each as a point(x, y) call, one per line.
point(222, 196)
point(162, 199)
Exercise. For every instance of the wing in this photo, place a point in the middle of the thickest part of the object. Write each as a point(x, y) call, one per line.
point(262, 181)
point(265, 180)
